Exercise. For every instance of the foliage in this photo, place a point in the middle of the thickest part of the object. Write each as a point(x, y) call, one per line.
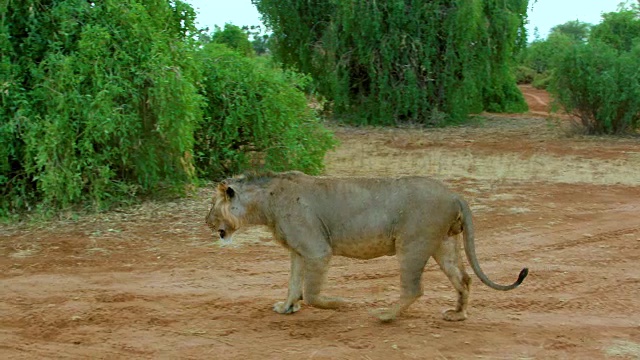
point(260, 39)
point(400, 60)
point(575, 30)
point(255, 115)
point(541, 56)
point(621, 29)
point(542, 80)
point(599, 81)
point(261, 44)
point(524, 74)
point(601, 86)
point(98, 100)
point(234, 37)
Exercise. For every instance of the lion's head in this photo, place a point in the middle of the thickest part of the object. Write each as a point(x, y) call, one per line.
point(226, 212)
point(236, 200)
point(234, 204)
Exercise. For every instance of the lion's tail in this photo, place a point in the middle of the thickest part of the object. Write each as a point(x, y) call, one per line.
point(470, 250)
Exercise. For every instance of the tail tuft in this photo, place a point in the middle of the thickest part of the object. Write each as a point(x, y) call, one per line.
point(523, 274)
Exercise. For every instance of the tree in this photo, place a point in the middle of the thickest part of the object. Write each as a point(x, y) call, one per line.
point(234, 37)
point(575, 30)
point(541, 55)
point(390, 61)
point(261, 44)
point(620, 29)
point(537, 61)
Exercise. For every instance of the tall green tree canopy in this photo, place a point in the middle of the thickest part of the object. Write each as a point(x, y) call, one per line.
point(403, 60)
point(576, 30)
point(541, 55)
point(234, 37)
point(620, 29)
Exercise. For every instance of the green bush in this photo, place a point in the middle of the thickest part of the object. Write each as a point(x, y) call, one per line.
point(542, 80)
point(99, 101)
point(524, 74)
point(599, 81)
point(255, 115)
point(234, 37)
point(601, 86)
point(537, 62)
point(620, 30)
point(541, 55)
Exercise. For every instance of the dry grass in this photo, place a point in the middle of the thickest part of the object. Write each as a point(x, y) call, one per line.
point(626, 349)
point(364, 155)
point(369, 159)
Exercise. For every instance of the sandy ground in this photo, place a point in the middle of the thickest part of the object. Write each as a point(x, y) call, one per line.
point(149, 282)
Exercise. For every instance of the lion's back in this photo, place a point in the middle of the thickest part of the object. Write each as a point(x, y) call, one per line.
point(361, 216)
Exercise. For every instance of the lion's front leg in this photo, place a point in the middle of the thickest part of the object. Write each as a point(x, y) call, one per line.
point(315, 277)
point(296, 277)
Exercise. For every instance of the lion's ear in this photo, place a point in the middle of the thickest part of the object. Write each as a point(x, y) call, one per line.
point(225, 190)
point(222, 188)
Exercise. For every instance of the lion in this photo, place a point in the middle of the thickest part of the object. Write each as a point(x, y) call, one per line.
point(315, 218)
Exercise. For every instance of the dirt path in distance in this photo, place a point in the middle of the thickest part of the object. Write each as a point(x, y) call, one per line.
point(538, 100)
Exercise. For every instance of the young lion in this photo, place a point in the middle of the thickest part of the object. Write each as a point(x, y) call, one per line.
point(316, 217)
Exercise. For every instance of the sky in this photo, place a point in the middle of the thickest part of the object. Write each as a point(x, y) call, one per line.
point(544, 14)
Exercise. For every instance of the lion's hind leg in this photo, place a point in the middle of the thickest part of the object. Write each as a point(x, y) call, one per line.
point(412, 263)
point(448, 257)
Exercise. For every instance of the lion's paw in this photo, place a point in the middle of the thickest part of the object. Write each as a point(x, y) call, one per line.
point(281, 308)
point(384, 314)
point(453, 315)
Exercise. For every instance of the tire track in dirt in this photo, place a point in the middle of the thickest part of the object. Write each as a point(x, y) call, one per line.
point(578, 285)
point(536, 99)
point(19, 351)
point(584, 239)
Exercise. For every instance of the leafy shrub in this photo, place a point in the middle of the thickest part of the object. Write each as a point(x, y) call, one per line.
point(599, 82)
point(234, 37)
point(601, 86)
point(541, 55)
point(99, 101)
point(542, 81)
point(524, 74)
point(620, 30)
point(255, 115)
point(575, 30)
point(537, 61)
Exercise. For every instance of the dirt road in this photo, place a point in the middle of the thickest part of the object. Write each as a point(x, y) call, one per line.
point(149, 282)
